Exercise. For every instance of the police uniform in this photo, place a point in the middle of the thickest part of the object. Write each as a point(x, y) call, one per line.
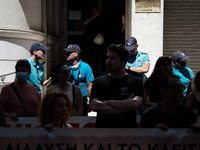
point(185, 75)
point(80, 76)
point(37, 74)
point(137, 61)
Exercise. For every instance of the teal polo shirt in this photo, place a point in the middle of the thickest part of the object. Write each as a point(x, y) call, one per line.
point(82, 74)
point(137, 61)
point(185, 75)
point(37, 74)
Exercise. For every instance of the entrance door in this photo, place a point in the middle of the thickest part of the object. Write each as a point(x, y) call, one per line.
point(109, 24)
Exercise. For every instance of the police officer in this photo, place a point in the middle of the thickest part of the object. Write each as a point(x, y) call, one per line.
point(81, 73)
point(138, 61)
point(181, 70)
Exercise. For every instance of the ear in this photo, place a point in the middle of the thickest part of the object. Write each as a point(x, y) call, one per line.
point(136, 46)
point(76, 54)
point(35, 52)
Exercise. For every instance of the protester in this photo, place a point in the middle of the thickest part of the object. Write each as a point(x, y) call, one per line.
point(81, 73)
point(116, 96)
point(181, 70)
point(152, 94)
point(36, 76)
point(20, 99)
point(138, 61)
point(60, 83)
point(193, 99)
point(55, 110)
point(168, 113)
point(2, 118)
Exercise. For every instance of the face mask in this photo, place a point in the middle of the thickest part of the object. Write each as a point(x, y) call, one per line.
point(178, 66)
point(22, 76)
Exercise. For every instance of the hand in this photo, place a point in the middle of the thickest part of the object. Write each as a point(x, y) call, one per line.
point(13, 116)
point(162, 126)
point(48, 127)
point(196, 127)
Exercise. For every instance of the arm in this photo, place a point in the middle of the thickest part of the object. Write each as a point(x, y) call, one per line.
point(89, 87)
point(115, 106)
point(102, 107)
point(143, 69)
point(79, 101)
point(95, 14)
point(45, 82)
point(132, 103)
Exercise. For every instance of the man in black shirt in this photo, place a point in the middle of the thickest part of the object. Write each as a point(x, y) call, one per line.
point(169, 113)
point(116, 95)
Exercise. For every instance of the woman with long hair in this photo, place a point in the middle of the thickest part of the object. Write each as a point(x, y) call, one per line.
point(61, 83)
point(55, 110)
point(152, 93)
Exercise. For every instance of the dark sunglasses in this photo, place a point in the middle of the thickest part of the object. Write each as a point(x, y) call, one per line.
point(43, 52)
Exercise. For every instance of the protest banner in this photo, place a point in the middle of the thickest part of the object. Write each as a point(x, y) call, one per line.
point(30, 122)
point(98, 139)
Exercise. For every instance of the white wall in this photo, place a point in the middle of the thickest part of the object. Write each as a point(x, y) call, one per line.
point(147, 28)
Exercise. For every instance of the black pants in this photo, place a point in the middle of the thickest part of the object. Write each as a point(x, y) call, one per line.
point(85, 106)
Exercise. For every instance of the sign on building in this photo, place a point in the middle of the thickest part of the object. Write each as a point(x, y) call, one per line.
point(150, 6)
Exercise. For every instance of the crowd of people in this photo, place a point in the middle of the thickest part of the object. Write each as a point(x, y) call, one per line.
point(168, 98)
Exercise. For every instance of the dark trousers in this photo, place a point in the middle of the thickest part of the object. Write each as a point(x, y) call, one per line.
point(85, 106)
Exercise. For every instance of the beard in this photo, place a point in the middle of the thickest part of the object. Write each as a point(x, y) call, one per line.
point(111, 69)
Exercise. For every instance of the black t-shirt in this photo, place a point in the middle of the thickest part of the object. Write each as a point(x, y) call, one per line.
point(181, 118)
point(152, 84)
point(108, 88)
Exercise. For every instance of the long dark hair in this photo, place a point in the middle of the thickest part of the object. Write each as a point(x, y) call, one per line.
point(54, 70)
point(161, 60)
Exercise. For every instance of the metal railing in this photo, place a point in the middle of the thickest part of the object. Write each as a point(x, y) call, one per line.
point(3, 77)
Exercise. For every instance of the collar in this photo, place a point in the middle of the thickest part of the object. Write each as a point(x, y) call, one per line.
point(79, 66)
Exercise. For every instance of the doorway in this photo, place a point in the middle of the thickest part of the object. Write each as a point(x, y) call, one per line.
point(110, 27)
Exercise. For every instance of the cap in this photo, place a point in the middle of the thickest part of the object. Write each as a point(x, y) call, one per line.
point(73, 48)
point(131, 43)
point(38, 46)
point(179, 55)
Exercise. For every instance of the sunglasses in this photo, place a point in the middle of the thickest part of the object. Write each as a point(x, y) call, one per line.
point(43, 52)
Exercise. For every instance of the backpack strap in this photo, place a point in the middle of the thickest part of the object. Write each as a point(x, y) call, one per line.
point(74, 97)
point(20, 99)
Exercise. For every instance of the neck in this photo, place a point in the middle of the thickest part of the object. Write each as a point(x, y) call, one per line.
point(33, 57)
point(118, 74)
point(62, 84)
point(75, 63)
point(21, 83)
point(169, 107)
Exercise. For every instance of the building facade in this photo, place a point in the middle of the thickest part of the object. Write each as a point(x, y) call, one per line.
point(169, 26)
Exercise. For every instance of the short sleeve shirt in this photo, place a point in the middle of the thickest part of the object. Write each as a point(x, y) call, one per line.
point(37, 74)
point(185, 75)
point(138, 61)
point(82, 74)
